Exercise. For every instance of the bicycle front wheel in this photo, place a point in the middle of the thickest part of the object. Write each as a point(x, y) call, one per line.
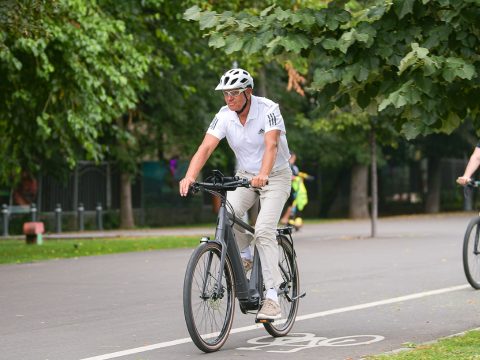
point(208, 311)
point(289, 290)
point(471, 253)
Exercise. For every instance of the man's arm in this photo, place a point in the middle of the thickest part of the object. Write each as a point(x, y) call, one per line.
point(472, 166)
point(271, 139)
point(204, 151)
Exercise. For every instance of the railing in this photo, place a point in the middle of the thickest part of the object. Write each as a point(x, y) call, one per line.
point(8, 211)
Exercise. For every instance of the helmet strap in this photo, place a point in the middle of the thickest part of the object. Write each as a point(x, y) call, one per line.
point(244, 105)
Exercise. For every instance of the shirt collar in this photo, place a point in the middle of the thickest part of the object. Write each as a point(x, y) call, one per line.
point(252, 113)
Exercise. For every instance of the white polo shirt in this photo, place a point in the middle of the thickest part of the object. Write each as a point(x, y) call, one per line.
point(247, 142)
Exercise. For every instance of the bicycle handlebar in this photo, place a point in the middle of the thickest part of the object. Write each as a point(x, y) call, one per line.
point(221, 184)
point(473, 183)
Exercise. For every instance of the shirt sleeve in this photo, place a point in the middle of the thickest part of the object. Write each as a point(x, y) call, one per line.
point(217, 128)
point(274, 119)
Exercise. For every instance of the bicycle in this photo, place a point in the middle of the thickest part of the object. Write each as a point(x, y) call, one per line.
point(471, 245)
point(215, 276)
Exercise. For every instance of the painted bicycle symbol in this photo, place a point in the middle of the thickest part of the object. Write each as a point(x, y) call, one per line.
point(300, 341)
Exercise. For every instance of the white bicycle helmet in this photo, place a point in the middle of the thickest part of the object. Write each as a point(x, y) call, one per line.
point(235, 79)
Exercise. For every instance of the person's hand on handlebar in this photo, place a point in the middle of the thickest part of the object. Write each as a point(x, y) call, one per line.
point(259, 181)
point(185, 184)
point(463, 180)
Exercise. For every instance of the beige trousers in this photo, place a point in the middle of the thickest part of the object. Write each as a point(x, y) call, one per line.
point(272, 199)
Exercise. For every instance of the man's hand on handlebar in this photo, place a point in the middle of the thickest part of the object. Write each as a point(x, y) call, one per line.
point(184, 185)
point(463, 180)
point(259, 181)
point(188, 185)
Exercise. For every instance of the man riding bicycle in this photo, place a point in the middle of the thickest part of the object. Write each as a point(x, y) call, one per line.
point(472, 166)
point(255, 131)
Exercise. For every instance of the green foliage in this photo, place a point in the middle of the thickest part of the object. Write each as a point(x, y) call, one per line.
point(172, 115)
point(85, 79)
point(412, 62)
point(62, 75)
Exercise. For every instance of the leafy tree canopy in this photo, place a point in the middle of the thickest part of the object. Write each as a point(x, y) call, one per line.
point(411, 61)
point(66, 67)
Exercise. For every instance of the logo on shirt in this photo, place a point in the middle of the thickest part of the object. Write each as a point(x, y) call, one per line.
point(272, 119)
point(261, 131)
point(213, 123)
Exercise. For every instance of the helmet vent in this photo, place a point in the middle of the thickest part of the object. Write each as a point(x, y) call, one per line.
point(235, 78)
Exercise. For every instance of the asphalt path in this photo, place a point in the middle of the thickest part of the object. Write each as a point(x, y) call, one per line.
point(364, 296)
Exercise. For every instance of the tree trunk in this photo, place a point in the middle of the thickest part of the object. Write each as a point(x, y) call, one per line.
point(262, 88)
point(374, 182)
point(432, 204)
point(126, 211)
point(358, 208)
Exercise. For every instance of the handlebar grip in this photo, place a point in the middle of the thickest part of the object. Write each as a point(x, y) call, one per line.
point(250, 182)
point(193, 189)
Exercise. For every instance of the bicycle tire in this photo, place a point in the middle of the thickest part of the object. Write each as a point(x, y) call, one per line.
point(471, 253)
point(288, 300)
point(208, 320)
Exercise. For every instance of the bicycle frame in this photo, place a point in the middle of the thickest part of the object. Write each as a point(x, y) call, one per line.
point(248, 291)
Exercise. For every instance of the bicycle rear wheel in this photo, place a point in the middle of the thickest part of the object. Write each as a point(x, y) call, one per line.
point(471, 253)
point(209, 317)
point(289, 290)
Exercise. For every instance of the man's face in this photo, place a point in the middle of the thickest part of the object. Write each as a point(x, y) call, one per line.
point(235, 99)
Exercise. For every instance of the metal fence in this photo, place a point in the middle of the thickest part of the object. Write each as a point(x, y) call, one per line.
point(89, 184)
point(155, 193)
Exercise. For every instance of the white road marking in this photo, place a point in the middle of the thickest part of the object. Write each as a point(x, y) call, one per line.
point(383, 302)
point(299, 318)
point(300, 341)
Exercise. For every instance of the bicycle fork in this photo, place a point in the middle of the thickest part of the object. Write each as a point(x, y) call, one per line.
point(475, 243)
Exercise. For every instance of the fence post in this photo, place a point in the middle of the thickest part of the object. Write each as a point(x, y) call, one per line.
point(80, 212)
point(99, 216)
point(5, 219)
point(58, 218)
point(33, 212)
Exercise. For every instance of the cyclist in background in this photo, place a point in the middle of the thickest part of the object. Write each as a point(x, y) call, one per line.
point(298, 197)
point(472, 166)
point(255, 131)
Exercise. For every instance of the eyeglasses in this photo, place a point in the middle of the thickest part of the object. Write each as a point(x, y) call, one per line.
point(233, 93)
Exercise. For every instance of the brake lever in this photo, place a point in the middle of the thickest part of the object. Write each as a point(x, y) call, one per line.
point(193, 189)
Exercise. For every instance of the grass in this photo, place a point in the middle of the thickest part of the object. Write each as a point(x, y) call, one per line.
point(463, 347)
point(17, 251)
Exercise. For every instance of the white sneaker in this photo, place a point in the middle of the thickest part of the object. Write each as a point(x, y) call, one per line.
point(270, 310)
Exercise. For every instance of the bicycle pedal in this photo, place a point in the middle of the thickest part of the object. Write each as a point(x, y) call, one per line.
point(264, 321)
